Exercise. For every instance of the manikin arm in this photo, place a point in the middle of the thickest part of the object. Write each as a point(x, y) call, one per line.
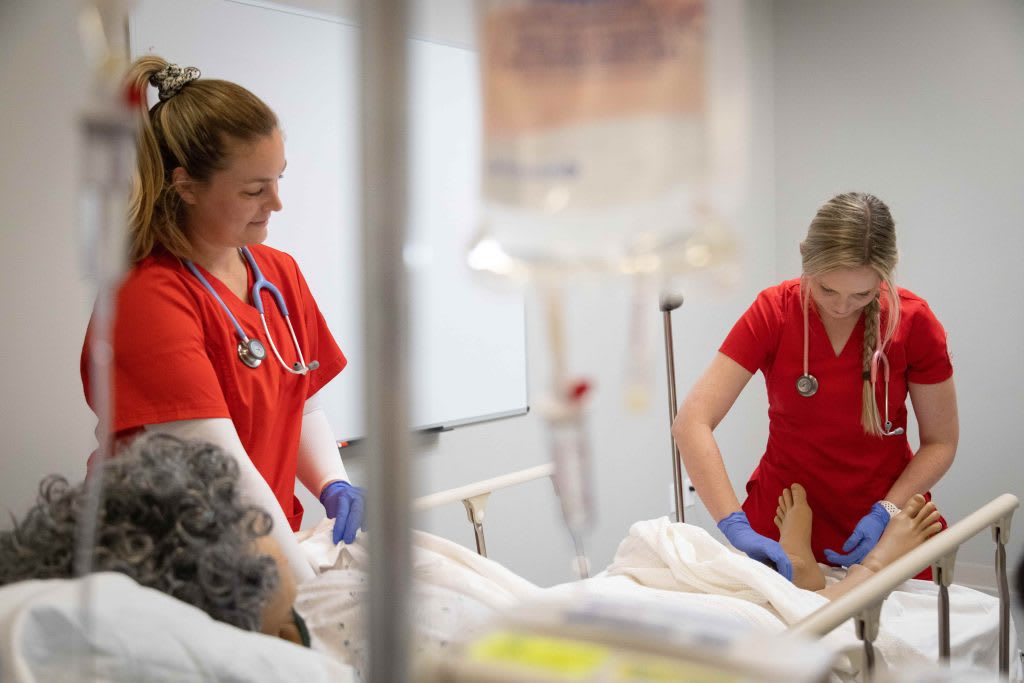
point(319, 460)
point(253, 487)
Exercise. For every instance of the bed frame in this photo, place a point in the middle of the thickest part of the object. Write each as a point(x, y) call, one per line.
point(864, 603)
point(475, 496)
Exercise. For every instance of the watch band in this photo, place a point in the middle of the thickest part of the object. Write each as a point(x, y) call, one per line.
point(890, 508)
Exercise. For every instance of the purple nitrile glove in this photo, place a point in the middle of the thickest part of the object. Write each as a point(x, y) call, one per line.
point(737, 529)
point(864, 537)
point(344, 504)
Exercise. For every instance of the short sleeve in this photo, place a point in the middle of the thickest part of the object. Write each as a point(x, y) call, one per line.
point(322, 346)
point(162, 369)
point(928, 359)
point(754, 338)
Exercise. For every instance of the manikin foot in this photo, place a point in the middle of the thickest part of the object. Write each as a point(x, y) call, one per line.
point(914, 525)
point(793, 518)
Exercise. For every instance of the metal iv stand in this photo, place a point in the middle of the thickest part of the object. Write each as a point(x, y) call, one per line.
point(385, 304)
point(669, 303)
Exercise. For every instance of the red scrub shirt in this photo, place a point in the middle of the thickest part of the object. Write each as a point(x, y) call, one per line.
point(818, 441)
point(176, 358)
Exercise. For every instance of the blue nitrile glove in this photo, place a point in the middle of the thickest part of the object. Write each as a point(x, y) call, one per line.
point(864, 537)
point(344, 504)
point(736, 528)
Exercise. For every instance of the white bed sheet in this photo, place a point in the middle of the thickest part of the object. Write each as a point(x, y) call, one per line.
point(455, 591)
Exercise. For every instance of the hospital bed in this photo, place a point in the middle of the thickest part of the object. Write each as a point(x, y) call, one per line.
point(889, 618)
point(136, 633)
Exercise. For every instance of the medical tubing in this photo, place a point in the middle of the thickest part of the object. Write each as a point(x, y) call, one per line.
point(206, 283)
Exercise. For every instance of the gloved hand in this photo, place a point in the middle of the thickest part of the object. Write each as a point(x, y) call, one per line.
point(864, 537)
point(736, 528)
point(344, 504)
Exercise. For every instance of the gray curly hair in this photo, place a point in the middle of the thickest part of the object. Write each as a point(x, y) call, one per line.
point(170, 518)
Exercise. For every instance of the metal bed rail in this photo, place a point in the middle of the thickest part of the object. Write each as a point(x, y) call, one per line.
point(475, 496)
point(864, 603)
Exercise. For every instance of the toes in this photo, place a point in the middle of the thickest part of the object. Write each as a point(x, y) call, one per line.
point(933, 529)
point(914, 505)
point(928, 516)
point(788, 495)
point(778, 521)
point(799, 494)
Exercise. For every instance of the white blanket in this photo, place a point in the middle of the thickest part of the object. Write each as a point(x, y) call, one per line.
point(682, 557)
point(455, 590)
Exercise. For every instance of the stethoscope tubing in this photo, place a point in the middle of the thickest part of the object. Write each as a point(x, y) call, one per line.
point(810, 382)
point(260, 283)
point(239, 332)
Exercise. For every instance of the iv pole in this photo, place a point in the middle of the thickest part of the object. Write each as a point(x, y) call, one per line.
point(385, 304)
point(669, 303)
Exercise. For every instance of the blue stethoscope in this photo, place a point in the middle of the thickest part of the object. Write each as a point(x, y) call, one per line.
point(251, 351)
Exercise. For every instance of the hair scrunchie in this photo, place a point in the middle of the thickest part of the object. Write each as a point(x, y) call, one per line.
point(170, 80)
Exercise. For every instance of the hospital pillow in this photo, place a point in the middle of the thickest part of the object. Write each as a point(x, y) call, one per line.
point(137, 634)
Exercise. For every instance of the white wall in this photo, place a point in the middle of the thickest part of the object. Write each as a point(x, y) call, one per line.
point(45, 422)
point(922, 103)
point(630, 452)
point(942, 120)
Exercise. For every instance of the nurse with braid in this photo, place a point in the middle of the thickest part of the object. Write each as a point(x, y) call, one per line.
point(216, 336)
point(840, 349)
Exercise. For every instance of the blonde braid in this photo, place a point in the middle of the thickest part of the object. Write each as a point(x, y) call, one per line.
point(869, 417)
point(852, 230)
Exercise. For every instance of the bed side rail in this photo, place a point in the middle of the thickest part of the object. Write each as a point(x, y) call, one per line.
point(474, 496)
point(863, 603)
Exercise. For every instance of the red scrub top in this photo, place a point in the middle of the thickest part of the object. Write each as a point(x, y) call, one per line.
point(176, 358)
point(818, 441)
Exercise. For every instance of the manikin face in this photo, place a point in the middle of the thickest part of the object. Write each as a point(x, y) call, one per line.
point(232, 209)
point(277, 619)
point(844, 292)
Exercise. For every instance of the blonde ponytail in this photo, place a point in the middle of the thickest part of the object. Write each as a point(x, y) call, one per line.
point(193, 128)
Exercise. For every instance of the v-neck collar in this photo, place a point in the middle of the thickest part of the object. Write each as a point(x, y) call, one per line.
point(859, 325)
point(224, 291)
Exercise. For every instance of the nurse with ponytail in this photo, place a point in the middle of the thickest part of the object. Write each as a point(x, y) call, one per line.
point(840, 348)
point(217, 336)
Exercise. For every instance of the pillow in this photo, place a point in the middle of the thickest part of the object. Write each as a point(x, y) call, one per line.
point(132, 633)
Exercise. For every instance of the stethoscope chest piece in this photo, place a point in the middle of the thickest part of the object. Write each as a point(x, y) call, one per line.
point(807, 385)
point(252, 352)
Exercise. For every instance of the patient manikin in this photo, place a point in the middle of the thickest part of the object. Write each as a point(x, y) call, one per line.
point(914, 525)
point(171, 519)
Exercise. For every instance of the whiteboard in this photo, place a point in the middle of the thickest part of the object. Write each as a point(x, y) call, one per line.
point(467, 342)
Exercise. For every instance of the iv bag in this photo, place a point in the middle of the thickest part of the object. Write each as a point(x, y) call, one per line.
point(595, 152)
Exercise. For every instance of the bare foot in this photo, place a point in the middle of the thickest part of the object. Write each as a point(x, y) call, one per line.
point(793, 517)
point(914, 525)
